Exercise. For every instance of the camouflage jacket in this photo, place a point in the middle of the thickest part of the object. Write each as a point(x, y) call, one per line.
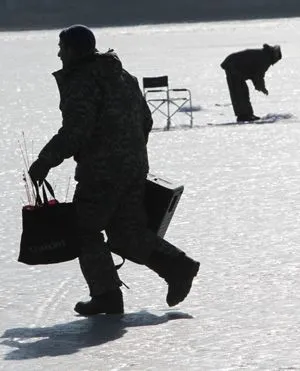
point(105, 121)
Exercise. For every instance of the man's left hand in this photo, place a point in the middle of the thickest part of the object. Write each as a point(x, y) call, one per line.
point(38, 171)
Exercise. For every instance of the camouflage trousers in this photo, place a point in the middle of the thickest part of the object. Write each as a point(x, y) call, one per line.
point(117, 209)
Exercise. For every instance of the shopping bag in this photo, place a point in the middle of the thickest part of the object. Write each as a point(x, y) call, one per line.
point(50, 234)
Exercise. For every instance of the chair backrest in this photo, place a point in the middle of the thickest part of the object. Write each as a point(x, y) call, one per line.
point(155, 82)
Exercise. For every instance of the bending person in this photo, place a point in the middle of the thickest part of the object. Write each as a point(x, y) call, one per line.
point(249, 64)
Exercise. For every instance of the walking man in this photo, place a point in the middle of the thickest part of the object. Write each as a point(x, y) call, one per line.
point(105, 127)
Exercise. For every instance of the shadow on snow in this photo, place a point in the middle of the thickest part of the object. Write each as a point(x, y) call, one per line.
point(270, 118)
point(69, 338)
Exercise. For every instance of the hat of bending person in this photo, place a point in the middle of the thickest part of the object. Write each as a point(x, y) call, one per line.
point(79, 38)
point(274, 51)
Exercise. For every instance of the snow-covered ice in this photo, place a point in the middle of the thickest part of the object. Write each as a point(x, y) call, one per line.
point(239, 214)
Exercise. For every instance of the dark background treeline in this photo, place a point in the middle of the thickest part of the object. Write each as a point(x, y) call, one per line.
point(31, 14)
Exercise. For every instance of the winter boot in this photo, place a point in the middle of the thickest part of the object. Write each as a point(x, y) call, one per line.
point(110, 302)
point(244, 118)
point(178, 271)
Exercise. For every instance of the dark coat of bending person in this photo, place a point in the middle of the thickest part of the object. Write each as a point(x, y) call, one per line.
point(105, 126)
point(249, 64)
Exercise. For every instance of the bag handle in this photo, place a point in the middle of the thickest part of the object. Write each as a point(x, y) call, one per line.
point(39, 201)
point(49, 189)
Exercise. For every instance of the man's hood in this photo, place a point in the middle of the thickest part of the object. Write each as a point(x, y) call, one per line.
point(108, 63)
point(100, 65)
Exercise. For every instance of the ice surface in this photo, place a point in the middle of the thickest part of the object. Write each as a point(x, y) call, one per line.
point(239, 214)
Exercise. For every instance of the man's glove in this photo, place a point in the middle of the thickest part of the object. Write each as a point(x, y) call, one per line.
point(38, 171)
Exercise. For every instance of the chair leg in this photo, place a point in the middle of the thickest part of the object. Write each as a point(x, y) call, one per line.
point(168, 123)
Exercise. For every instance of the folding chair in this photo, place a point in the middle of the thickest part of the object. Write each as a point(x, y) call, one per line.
point(165, 100)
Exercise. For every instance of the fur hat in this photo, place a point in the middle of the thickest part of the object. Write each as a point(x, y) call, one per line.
point(275, 52)
point(78, 37)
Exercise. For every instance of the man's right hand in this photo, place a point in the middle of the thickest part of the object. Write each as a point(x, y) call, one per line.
point(38, 171)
